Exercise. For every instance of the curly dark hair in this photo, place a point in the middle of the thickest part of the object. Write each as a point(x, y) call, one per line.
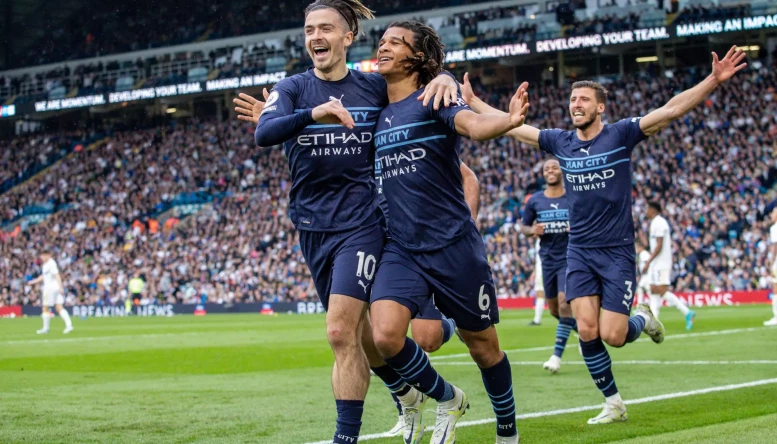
point(428, 55)
point(351, 10)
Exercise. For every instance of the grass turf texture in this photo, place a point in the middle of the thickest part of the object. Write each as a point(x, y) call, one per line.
point(251, 378)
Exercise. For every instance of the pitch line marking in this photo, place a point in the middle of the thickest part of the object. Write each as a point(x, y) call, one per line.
point(678, 336)
point(704, 391)
point(642, 362)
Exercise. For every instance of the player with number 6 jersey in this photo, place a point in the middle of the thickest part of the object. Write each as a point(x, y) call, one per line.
point(434, 247)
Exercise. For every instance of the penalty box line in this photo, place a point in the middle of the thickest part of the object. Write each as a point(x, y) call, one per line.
point(704, 391)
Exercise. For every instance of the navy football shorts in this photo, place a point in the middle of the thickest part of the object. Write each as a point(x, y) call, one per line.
point(554, 279)
point(609, 272)
point(458, 275)
point(343, 262)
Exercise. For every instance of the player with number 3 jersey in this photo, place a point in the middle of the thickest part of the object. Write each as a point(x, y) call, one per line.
point(596, 162)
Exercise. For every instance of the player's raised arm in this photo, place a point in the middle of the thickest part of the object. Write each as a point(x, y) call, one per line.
point(471, 190)
point(680, 104)
point(524, 133)
point(489, 126)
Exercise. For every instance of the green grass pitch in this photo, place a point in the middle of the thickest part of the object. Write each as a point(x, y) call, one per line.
point(260, 379)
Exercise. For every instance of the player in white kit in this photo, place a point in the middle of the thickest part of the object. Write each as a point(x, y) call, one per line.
point(539, 288)
point(53, 293)
point(773, 251)
point(643, 286)
point(659, 265)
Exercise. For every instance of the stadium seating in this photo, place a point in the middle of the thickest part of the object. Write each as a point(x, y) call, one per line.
point(480, 27)
point(198, 210)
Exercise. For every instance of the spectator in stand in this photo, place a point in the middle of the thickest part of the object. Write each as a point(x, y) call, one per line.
point(714, 170)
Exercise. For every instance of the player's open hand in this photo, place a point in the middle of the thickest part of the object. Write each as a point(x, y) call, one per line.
point(466, 89)
point(249, 108)
point(443, 88)
point(725, 68)
point(333, 112)
point(519, 105)
point(538, 229)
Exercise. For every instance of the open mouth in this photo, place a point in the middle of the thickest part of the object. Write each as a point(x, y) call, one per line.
point(578, 114)
point(320, 51)
point(383, 59)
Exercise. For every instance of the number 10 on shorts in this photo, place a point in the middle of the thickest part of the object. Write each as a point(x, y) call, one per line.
point(367, 264)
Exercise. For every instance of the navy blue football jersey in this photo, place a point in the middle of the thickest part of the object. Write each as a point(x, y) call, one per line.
point(332, 186)
point(417, 154)
point(597, 178)
point(554, 213)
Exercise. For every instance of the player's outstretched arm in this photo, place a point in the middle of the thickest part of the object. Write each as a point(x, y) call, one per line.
point(680, 104)
point(36, 281)
point(489, 126)
point(471, 190)
point(524, 133)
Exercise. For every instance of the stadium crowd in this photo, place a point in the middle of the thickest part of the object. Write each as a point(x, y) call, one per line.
point(99, 37)
point(713, 171)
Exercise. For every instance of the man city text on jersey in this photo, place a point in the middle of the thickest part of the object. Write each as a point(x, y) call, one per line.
point(417, 162)
point(597, 177)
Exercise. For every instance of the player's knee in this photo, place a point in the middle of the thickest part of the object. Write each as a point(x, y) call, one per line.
point(554, 311)
point(342, 336)
point(485, 353)
point(388, 343)
point(587, 330)
point(613, 339)
point(429, 344)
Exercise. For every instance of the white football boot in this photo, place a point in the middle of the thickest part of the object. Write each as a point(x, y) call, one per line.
point(448, 413)
point(553, 365)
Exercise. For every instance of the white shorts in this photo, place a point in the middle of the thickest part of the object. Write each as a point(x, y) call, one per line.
point(644, 283)
point(660, 274)
point(538, 285)
point(774, 270)
point(53, 298)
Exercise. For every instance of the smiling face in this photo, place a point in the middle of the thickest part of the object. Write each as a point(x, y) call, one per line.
point(584, 108)
point(393, 50)
point(326, 38)
point(551, 171)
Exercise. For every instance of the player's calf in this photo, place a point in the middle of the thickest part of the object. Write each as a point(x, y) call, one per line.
point(497, 377)
point(351, 374)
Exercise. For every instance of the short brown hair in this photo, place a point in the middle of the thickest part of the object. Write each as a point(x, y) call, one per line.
point(352, 12)
point(601, 92)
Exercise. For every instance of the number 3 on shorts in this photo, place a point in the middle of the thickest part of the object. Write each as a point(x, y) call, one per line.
point(484, 300)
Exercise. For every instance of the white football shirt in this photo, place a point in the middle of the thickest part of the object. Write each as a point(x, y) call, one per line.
point(50, 273)
point(659, 228)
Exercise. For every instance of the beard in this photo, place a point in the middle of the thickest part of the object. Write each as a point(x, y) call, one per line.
point(585, 125)
point(554, 182)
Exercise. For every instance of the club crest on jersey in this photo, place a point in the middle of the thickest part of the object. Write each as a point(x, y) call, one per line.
point(270, 104)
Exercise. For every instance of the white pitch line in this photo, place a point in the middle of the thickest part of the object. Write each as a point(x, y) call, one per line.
point(677, 336)
point(102, 338)
point(644, 362)
point(722, 388)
